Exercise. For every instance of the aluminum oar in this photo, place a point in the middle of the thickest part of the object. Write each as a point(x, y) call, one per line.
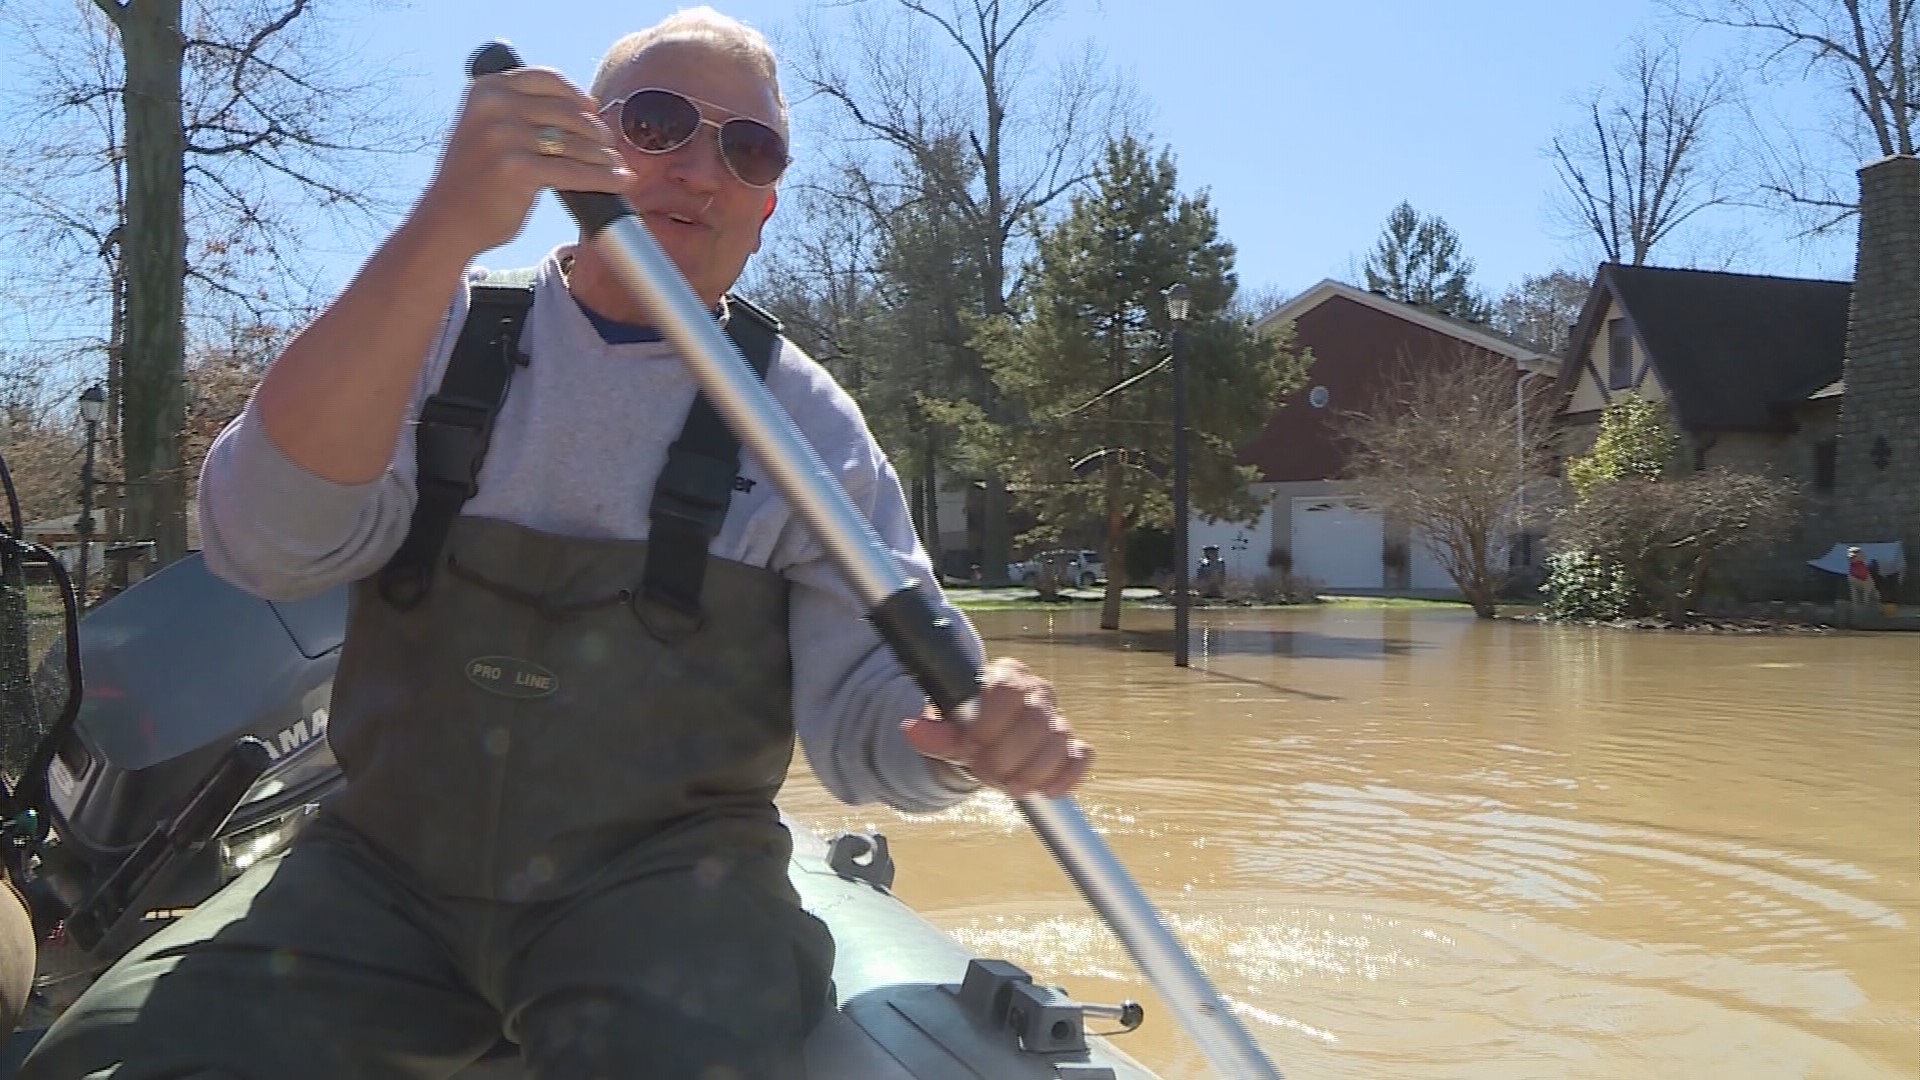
point(900, 609)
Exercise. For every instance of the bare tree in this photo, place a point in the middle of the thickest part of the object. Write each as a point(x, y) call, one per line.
point(1541, 310)
point(65, 181)
point(40, 438)
point(221, 376)
point(1868, 53)
point(1668, 533)
point(195, 142)
point(877, 289)
point(819, 282)
point(1257, 303)
point(1639, 165)
point(912, 78)
point(1450, 448)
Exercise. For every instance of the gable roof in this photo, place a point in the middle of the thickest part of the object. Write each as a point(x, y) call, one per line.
point(1471, 333)
point(1734, 351)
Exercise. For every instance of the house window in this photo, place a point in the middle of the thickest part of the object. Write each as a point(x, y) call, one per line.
point(1619, 355)
point(1824, 452)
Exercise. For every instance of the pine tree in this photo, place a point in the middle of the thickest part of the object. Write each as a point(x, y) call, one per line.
point(1418, 260)
point(1085, 363)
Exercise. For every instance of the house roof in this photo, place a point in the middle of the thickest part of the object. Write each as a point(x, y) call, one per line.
point(1734, 351)
point(1471, 333)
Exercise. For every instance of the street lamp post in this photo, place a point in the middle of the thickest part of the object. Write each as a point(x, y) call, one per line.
point(1179, 306)
point(93, 403)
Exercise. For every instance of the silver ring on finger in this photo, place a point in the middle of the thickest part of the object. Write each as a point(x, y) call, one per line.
point(553, 141)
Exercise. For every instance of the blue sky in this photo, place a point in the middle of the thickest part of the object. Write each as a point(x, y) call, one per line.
point(1307, 122)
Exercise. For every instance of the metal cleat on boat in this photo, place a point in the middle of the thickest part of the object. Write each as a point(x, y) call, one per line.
point(862, 857)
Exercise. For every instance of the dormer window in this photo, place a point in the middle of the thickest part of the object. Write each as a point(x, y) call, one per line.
point(1619, 355)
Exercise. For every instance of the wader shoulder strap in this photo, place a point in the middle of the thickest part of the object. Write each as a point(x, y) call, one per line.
point(455, 426)
point(690, 498)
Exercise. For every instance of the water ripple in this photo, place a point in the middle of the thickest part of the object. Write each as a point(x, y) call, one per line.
point(1423, 846)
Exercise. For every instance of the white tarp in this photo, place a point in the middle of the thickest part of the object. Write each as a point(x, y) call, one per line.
point(1891, 557)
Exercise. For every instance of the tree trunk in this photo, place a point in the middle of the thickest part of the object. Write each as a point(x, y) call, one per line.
point(996, 502)
point(1482, 596)
point(1477, 582)
point(155, 254)
point(997, 507)
point(116, 496)
point(917, 509)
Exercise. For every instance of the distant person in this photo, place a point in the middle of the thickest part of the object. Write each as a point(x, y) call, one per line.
point(1861, 590)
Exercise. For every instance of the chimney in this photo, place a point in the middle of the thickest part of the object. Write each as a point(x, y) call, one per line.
point(1877, 468)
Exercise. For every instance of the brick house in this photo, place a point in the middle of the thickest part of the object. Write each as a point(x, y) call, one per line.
point(1312, 519)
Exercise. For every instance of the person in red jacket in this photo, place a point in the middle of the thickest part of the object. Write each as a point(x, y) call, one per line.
point(1860, 587)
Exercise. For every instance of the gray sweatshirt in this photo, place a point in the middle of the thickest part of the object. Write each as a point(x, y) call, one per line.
point(575, 451)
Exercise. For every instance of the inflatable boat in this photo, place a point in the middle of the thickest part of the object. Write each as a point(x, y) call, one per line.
point(184, 675)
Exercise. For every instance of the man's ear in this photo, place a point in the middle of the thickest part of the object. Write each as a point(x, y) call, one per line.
point(766, 213)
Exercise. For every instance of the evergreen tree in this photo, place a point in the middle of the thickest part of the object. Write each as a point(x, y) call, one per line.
point(1418, 260)
point(927, 268)
point(1084, 363)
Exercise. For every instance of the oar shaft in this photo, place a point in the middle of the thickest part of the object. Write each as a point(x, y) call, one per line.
point(927, 645)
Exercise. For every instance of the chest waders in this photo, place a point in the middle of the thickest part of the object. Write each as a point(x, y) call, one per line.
point(558, 824)
point(515, 708)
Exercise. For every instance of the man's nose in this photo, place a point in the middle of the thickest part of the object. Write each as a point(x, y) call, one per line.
point(698, 164)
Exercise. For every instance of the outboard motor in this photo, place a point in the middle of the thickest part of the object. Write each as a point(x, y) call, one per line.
point(198, 746)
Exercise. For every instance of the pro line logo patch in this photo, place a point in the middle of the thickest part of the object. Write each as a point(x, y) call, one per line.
point(511, 677)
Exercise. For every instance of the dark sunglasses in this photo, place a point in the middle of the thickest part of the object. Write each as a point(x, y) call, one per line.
point(656, 121)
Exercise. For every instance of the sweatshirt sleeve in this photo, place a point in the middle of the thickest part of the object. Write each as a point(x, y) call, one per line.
point(850, 693)
point(272, 528)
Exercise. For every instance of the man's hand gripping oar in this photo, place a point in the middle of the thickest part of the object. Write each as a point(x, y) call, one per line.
point(900, 609)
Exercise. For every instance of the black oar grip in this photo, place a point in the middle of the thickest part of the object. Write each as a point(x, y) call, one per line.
point(929, 646)
point(493, 58)
point(592, 209)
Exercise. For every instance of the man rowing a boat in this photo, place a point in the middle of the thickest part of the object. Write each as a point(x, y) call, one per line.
point(584, 633)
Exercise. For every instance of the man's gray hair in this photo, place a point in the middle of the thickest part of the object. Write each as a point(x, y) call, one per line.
point(697, 26)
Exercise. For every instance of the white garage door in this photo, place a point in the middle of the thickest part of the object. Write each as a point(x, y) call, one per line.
point(1336, 542)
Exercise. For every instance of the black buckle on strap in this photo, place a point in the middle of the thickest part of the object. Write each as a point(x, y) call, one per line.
point(451, 440)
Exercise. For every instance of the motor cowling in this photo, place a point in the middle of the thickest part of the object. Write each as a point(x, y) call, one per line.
point(176, 669)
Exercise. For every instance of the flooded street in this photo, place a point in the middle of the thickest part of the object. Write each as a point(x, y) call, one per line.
point(1408, 844)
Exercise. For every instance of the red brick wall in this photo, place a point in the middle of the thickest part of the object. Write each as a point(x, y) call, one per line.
point(1357, 351)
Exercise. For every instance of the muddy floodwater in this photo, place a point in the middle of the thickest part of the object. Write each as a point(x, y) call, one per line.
point(1407, 844)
